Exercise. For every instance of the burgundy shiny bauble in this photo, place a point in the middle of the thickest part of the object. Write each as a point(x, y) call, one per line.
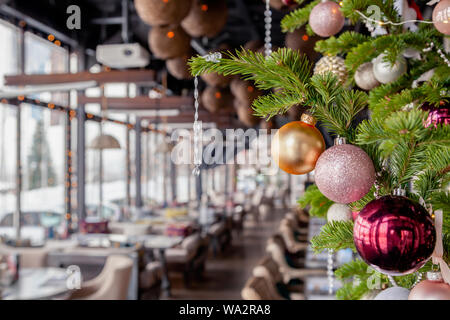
point(288, 2)
point(395, 235)
point(436, 115)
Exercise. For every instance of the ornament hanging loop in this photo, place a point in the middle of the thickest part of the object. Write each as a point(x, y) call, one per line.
point(340, 141)
point(399, 192)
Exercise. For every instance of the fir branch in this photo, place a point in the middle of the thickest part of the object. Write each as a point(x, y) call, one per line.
point(297, 18)
point(334, 235)
point(284, 68)
point(343, 44)
point(318, 203)
point(350, 269)
point(349, 291)
point(273, 104)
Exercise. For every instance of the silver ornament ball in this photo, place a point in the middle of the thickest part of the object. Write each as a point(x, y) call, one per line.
point(339, 212)
point(393, 293)
point(384, 72)
point(365, 78)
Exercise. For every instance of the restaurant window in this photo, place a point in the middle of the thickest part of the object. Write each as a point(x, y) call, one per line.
point(43, 146)
point(9, 64)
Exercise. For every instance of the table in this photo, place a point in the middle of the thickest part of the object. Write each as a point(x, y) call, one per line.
point(159, 243)
point(37, 283)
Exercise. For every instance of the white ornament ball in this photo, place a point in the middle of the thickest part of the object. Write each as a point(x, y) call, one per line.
point(385, 72)
point(333, 64)
point(371, 295)
point(393, 293)
point(339, 212)
point(364, 77)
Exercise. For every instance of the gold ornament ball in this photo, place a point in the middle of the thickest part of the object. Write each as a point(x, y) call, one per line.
point(297, 146)
point(333, 64)
point(441, 17)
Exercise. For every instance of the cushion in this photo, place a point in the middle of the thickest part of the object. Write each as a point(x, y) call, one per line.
point(94, 227)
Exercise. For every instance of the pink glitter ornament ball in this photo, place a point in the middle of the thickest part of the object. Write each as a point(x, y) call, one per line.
point(434, 288)
point(326, 19)
point(394, 235)
point(441, 17)
point(344, 173)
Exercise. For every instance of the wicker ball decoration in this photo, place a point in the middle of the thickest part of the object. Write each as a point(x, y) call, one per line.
point(333, 64)
point(179, 68)
point(365, 78)
point(244, 90)
point(245, 113)
point(304, 44)
point(213, 99)
point(206, 18)
point(169, 42)
point(162, 12)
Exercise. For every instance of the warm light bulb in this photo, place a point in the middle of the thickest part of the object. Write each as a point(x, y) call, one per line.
point(170, 34)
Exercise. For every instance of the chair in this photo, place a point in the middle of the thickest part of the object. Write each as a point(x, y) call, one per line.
point(188, 257)
point(268, 269)
point(220, 236)
point(257, 288)
point(150, 281)
point(293, 245)
point(111, 284)
point(276, 249)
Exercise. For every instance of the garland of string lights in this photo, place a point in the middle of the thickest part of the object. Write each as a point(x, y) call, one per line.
point(430, 46)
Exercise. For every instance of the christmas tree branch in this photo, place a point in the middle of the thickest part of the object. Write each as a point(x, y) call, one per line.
point(273, 104)
point(318, 203)
point(284, 68)
point(297, 18)
point(334, 235)
point(343, 44)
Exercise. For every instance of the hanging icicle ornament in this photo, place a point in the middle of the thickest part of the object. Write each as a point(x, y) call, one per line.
point(330, 273)
point(268, 28)
point(197, 127)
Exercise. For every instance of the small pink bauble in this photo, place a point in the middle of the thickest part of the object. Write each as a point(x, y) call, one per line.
point(344, 173)
point(437, 115)
point(326, 19)
point(430, 290)
point(354, 215)
point(441, 17)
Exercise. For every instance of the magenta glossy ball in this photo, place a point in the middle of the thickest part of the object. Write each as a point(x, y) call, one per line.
point(394, 235)
point(436, 115)
point(344, 173)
